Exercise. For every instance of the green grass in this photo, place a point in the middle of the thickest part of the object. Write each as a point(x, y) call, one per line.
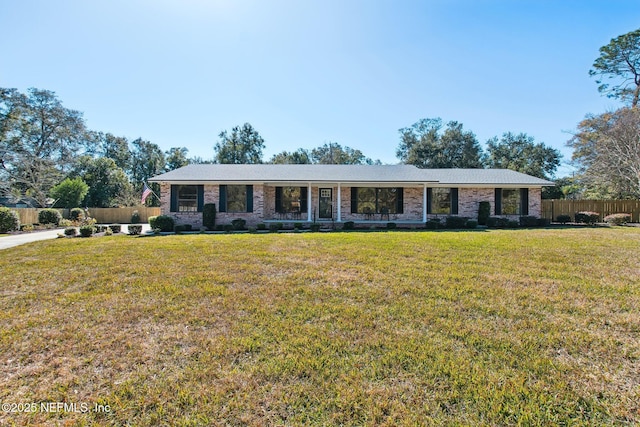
point(526, 327)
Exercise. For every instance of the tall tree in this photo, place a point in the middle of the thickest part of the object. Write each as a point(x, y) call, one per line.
point(147, 161)
point(39, 139)
point(619, 63)
point(521, 153)
point(114, 147)
point(243, 145)
point(607, 151)
point(423, 144)
point(69, 193)
point(334, 154)
point(108, 184)
point(298, 157)
point(176, 158)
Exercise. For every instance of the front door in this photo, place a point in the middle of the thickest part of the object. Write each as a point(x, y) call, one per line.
point(325, 203)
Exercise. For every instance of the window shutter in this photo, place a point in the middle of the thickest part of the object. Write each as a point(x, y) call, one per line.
point(222, 203)
point(174, 198)
point(454, 201)
point(354, 200)
point(498, 201)
point(429, 199)
point(279, 199)
point(400, 200)
point(304, 200)
point(249, 198)
point(524, 201)
point(200, 197)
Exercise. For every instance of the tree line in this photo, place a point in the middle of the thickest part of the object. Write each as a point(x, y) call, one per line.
point(47, 152)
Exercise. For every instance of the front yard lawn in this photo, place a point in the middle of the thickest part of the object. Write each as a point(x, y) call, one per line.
point(511, 327)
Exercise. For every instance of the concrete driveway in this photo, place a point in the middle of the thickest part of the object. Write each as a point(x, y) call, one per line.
point(20, 239)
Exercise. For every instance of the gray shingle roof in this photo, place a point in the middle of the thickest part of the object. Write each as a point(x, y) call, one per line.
point(370, 174)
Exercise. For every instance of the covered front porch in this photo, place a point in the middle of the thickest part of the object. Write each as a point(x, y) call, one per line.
point(342, 202)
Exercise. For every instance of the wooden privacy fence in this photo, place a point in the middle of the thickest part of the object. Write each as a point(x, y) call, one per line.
point(102, 215)
point(552, 208)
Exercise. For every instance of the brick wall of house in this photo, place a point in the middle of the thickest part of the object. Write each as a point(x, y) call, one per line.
point(264, 205)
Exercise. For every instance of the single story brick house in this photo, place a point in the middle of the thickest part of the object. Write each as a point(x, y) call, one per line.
point(405, 194)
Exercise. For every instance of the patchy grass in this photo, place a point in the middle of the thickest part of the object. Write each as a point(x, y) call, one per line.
point(519, 327)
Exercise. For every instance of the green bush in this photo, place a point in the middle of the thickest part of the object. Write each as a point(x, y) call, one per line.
point(484, 212)
point(115, 228)
point(512, 223)
point(315, 227)
point(26, 227)
point(49, 216)
point(587, 217)
point(455, 222)
point(238, 224)
point(529, 221)
point(617, 219)
point(209, 216)
point(134, 230)
point(182, 227)
point(87, 230)
point(497, 222)
point(563, 219)
point(76, 214)
point(9, 220)
point(70, 231)
point(349, 225)
point(433, 224)
point(164, 223)
point(135, 217)
point(228, 228)
point(297, 226)
point(471, 224)
point(261, 226)
point(275, 226)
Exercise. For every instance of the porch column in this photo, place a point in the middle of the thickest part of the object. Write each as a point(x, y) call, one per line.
point(309, 197)
point(339, 200)
point(424, 203)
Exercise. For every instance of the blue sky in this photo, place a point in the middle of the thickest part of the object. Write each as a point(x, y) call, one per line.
point(305, 73)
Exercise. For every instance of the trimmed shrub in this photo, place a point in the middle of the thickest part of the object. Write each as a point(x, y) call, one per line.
point(315, 227)
point(134, 230)
point(618, 219)
point(529, 221)
point(9, 220)
point(76, 214)
point(275, 226)
point(70, 231)
point(471, 224)
point(238, 224)
point(484, 212)
point(587, 217)
point(433, 224)
point(209, 216)
point(182, 227)
point(349, 225)
point(115, 228)
point(261, 226)
point(455, 222)
point(544, 222)
point(228, 228)
point(392, 226)
point(163, 223)
point(497, 222)
point(135, 217)
point(512, 223)
point(49, 216)
point(563, 219)
point(87, 230)
point(297, 226)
